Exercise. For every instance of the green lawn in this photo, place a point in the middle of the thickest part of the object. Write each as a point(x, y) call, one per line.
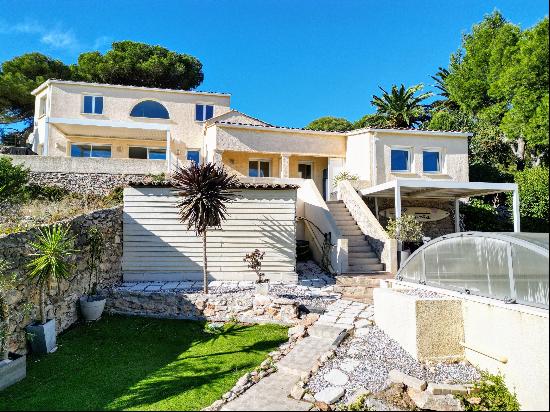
point(141, 364)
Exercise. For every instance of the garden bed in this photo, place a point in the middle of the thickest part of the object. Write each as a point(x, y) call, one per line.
point(146, 364)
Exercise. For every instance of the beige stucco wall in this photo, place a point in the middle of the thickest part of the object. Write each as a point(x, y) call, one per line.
point(67, 102)
point(454, 150)
point(359, 155)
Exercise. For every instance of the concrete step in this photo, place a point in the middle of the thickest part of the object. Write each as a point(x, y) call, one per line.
point(366, 268)
point(363, 254)
point(362, 247)
point(351, 231)
point(350, 280)
point(353, 260)
point(346, 223)
point(334, 202)
point(304, 355)
point(325, 331)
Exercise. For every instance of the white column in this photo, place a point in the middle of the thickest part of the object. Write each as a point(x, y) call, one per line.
point(517, 225)
point(168, 153)
point(376, 208)
point(46, 150)
point(285, 165)
point(397, 200)
point(457, 215)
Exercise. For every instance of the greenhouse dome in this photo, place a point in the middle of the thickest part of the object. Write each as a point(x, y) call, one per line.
point(512, 267)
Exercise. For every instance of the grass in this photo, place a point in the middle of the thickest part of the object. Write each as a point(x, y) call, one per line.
point(141, 364)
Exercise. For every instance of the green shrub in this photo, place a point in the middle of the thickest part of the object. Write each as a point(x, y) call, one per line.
point(115, 197)
point(52, 193)
point(13, 181)
point(481, 216)
point(490, 394)
point(533, 195)
point(405, 229)
point(343, 175)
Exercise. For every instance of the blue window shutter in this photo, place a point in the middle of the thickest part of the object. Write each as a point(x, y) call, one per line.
point(88, 104)
point(209, 112)
point(199, 108)
point(98, 105)
point(194, 155)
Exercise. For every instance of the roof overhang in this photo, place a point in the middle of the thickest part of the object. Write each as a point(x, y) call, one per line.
point(436, 189)
point(413, 132)
point(108, 128)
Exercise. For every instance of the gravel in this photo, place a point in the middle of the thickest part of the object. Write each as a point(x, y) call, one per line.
point(421, 293)
point(377, 355)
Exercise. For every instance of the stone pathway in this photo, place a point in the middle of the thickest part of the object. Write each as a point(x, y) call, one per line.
point(345, 313)
point(272, 393)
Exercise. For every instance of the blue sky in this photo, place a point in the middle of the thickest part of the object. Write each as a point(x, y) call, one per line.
point(284, 61)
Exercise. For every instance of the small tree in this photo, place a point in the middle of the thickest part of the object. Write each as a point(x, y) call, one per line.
point(204, 190)
point(254, 261)
point(95, 242)
point(343, 175)
point(54, 246)
point(405, 229)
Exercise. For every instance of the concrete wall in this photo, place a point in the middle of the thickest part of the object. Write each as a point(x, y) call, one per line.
point(359, 155)
point(157, 246)
point(511, 339)
point(67, 102)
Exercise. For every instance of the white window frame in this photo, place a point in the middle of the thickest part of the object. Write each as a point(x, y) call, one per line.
point(93, 96)
point(258, 161)
point(91, 149)
point(305, 162)
point(193, 150)
point(410, 161)
point(438, 150)
point(203, 111)
point(42, 106)
point(149, 148)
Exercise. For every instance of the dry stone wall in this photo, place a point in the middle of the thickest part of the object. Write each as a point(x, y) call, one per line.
point(62, 298)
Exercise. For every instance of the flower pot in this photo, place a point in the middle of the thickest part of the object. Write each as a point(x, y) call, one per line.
point(93, 308)
point(12, 370)
point(403, 256)
point(262, 288)
point(42, 337)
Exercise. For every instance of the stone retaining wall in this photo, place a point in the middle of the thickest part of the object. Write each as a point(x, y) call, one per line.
point(61, 299)
point(219, 307)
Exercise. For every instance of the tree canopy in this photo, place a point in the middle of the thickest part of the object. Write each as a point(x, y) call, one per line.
point(330, 124)
point(127, 63)
point(401, 107)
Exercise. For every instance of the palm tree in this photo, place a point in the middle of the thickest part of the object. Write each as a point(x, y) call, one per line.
point(401, 107)
point(440, 78)
point(204, 190)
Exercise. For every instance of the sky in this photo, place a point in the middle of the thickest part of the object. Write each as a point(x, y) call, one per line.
point(284, 61)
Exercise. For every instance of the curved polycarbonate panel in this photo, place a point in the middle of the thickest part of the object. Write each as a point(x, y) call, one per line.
point(509, 267)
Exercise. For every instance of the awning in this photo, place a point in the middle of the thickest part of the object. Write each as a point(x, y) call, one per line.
point(108, 128)
point(436, 189)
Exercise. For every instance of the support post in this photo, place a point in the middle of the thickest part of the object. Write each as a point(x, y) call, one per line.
point(517, 225)
point(457, 215)
point(285, 166)
point(376, 208)
point(168, 153)
point(397, 207)
point(217, 157)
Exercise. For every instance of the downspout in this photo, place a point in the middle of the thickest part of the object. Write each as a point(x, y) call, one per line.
point(374, 165)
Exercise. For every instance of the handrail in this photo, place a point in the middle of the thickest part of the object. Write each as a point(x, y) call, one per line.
point(324, 249)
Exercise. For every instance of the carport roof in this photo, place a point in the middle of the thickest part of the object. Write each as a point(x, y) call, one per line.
point(436, 189)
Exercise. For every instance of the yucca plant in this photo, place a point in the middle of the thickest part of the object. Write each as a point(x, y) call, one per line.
point(54, 246)
point(400, 107)
point(204, 190)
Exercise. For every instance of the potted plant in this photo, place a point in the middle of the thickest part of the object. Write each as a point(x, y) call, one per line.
point(93, 303)
point(408, 232)
point(13, 367)
point(54, 246)
point(254, 261)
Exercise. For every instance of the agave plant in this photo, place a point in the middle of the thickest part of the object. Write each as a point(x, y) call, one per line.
point(401, 107)
point(54, 246)
point(204, 190)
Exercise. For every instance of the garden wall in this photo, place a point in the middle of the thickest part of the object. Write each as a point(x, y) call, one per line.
point(61, 300)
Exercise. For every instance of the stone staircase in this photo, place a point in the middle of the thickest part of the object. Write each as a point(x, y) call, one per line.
point(364, 267)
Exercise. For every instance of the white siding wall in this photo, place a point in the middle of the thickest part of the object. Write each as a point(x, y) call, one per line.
point(157, 246)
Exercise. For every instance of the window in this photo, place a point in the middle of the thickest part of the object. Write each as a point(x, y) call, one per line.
point(90, 150)
point(431, 161)
point(93, 105)
point(259, 168)
point(400, 160)
point(305, 170)
point(203, 112)
point(150, 109)
point(194, 156)
point(42, 106)
point(151, 153)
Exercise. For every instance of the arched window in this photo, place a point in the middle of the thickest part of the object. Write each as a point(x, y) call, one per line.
point(151, 109)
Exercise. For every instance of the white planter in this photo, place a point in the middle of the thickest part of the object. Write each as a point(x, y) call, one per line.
point(92, 309)
point(262, 288)
point(42, 337)
point(12, 370)
point(404, 255)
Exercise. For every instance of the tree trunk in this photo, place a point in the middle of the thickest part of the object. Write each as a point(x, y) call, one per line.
point(518, 148)
point(42, 305)
point(204, 263)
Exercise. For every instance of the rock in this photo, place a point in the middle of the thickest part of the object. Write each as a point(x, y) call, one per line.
point(349, 365)
point(216, 405)
point(474, 400)
point(310, 319)
point(361, 333)
point(396, 376)
point(298, 330)
point(362, 323)
point(227, 395)
point(425, 400)
point(336, 377)
point(330, 395)
point(322, 406)
point(360, 392)
point(304, 376)
point(243, 380)
point(261, 300)
point(297, 392)
point(447, 389)
point(308, 397)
